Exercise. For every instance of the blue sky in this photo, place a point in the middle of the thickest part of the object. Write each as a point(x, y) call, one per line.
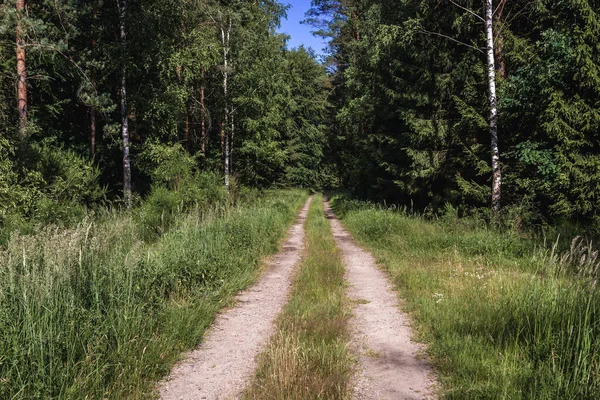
point(300, 34)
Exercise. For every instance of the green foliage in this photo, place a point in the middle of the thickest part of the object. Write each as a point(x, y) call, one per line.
point(306, 165)
point(66, 180)
point(163, 206)
point(551, 105)
point(410, 122)
point(55, 186)
point(174, 70)
point(178, 187)
point(9, 191)
point(168, 165)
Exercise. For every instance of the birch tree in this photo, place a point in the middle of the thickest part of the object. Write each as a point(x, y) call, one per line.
point(488, 20)
point(203, 132)
point(225, 23)
point(491, 71)
point(127, 195)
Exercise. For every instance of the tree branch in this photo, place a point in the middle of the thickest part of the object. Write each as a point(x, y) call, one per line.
point(452, 39)
point(467, 10)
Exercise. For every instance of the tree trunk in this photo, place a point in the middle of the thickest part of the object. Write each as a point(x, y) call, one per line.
point(356, 15)
point(21, 73)
point(93, 80)
point(501, 67)
point(125, 136)
point(496, 173)
point(92, 131)
point(127, 195)
point(225, 32)
point(223, 137)
point(187, 130)
point(231, 144)
point(227, 151)
point(203, 113)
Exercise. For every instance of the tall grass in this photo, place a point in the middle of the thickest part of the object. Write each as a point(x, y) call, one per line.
point(97, 312)
point(504, 318)
point(307, 358)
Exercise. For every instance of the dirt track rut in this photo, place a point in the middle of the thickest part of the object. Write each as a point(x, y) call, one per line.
point(390, 364)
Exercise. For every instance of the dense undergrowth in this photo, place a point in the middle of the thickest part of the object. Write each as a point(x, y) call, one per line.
point(504, 318)
point(101, 309)
point(308, 357)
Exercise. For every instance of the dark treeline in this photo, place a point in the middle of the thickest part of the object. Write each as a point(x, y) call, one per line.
point(100, 92)
point(488, 105)
point(412, 102)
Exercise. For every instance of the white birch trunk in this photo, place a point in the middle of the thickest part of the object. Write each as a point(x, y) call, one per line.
point(122, 5)
point(203, 116)
point(231, 140)
point(227, 161)
point(225, 32)
point(496, 173)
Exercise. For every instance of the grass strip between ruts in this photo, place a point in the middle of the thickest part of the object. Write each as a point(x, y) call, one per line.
point(308, 357)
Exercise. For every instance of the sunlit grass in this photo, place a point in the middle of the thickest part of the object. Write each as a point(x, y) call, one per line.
point(501, 320)
point(97, 312)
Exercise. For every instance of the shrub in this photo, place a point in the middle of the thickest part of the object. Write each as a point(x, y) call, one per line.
point(54, 186)
point(160, 210)
point(168, 165)
point(177, 187)
point(65, 177)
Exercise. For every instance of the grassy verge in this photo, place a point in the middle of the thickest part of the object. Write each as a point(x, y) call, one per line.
point(307, 357)
point(97, 312)
point(502, 319)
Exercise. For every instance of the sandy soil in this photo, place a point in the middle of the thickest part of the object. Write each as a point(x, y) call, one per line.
point(391, 366)
point(225, 362)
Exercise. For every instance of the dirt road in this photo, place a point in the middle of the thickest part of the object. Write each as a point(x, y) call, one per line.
point(390, 366)
point(223, 364)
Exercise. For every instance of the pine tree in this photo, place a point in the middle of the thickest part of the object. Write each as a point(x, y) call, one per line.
point(21, 72)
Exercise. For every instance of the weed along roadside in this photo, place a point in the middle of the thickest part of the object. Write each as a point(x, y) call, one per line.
point(221, 366)
point(307, 356)
point(95, 312)
point(500, 316)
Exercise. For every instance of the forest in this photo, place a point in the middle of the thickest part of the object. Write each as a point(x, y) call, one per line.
point(127, 124)
point(101, 93)
point(412, 99)
point(116, 99)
